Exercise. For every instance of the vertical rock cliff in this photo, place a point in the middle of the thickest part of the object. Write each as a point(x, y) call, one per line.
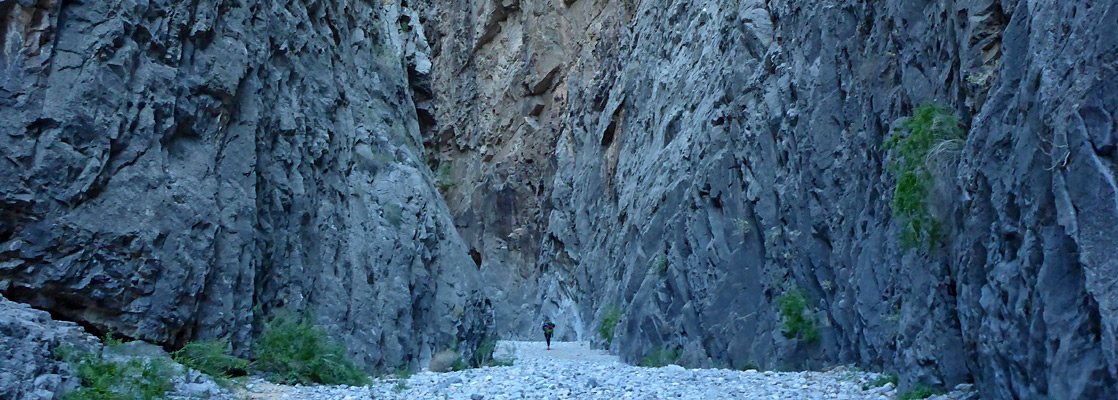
point(174, 171)
point(693, 163)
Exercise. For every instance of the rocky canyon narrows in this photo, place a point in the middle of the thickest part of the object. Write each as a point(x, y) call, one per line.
point(423, 173)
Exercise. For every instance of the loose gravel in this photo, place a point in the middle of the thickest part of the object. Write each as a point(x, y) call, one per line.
point(571, 370)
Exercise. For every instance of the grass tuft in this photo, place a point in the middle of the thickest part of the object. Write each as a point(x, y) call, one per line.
point(920, 391)
point(293, 350)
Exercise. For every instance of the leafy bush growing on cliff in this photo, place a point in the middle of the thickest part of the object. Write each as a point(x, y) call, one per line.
point(799, 321)
point(445, 177)
point(930, 127)
point(293, 350)
point(610, 318)
point(211, 357)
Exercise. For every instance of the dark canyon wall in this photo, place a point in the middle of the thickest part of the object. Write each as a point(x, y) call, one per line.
point(178, 171)
point(174, 171)
point(692, 163)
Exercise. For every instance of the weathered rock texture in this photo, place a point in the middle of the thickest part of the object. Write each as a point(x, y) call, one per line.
point(178, 170)
point(692, 161)
point(29, 367)
point(490, 130)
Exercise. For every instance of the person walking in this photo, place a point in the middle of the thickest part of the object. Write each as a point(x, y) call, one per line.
point(548, 330)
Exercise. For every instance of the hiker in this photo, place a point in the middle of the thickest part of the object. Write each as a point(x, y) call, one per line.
point(548, 329)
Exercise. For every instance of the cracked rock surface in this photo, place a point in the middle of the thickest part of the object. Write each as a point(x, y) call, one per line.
point(176, 171)
point(692, 162)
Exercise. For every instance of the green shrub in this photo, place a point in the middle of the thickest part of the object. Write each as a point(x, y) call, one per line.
point(881, 381)
point(610, 318)
point(135, 379)
point(211, 357)
point(798, 319)
point(484, 353)
point(929, 126)
point(445, 177)
point(660, 357)
point(920, 391)
point(293, 350)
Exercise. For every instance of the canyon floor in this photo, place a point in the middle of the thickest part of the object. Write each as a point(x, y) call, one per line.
point(572, 370)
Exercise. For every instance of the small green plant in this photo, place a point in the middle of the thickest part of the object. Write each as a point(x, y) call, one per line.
point(742, 227)
point(459, 365)
point(881, 381)
point(403, 373)
point(661, 264)
point(750, 365)
point(920, 391)
point(400, 387)
point(610, 318)
point(771, 236)
point(135, 379)
point(483, 355)
point(293, 350)
point(929, 127)
point(211, 357)
point(445, 177)
point(660, 357)
point(394, 214)
point(799, 321)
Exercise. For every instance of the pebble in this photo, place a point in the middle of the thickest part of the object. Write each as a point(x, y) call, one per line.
point(572, 371)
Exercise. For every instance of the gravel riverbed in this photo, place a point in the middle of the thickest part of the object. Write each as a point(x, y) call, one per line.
point(571, 370)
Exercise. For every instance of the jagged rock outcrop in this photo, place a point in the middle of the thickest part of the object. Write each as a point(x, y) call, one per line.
point(175, 171)
point(489, 129)
point(29, 367)
point(695, 161)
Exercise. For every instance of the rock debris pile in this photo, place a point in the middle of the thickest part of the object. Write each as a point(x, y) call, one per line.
point(571, 370)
